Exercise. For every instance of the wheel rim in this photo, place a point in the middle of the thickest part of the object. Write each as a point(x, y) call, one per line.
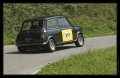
point(80, 40)
point(52, 45)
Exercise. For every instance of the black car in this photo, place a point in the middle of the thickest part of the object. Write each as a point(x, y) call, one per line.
point(48, 32)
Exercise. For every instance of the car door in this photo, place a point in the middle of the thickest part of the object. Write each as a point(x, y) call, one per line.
point(53, 29)
point(67, 31)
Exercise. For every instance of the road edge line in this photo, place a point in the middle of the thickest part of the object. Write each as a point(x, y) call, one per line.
point(35, 72)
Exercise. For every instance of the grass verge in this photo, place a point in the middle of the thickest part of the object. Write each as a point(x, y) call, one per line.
point(95, 62)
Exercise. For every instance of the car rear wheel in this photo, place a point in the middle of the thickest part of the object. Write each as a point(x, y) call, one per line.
point(51, 45)
point(80, 41)
point(21, 49)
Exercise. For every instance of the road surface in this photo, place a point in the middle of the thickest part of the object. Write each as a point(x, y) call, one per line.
point(15, 63)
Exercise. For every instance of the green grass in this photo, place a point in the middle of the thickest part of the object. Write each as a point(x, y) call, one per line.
point(95, 62)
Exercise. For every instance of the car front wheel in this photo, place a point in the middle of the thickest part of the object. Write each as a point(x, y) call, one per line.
point(80, 41)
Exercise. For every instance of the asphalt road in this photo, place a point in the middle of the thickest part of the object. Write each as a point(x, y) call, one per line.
point(15, 63)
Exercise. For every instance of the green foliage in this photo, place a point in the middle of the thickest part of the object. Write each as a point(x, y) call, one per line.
point(8, 41)
point(91, 16)
point(99, 26)
point(96, 62)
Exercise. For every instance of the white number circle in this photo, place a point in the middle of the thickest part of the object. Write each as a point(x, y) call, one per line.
point(67, 34)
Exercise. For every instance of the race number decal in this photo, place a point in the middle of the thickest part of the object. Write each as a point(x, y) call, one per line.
point(67, 35)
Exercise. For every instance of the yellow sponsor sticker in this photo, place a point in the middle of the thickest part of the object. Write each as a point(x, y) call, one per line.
point(67, 35)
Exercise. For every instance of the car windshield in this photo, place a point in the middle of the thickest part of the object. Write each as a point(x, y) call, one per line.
point(32, 25)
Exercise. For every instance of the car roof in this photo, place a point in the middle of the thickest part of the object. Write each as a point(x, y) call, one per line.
point(44, 17)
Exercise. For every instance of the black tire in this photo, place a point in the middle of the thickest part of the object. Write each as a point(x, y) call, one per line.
point(80, 40)
point(51, 46)
point(21, 49)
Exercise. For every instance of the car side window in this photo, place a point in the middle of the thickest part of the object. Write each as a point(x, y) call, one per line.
point(51, 23)
point(60, 22)
point(63, 22)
